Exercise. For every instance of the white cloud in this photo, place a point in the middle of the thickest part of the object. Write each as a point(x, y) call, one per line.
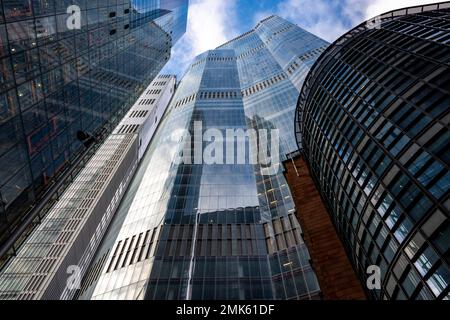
point(329, 19)
point(213, 22)
point(377, 7)
point(316, 16)
point(210, 24)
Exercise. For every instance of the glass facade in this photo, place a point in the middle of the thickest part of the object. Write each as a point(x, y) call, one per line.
point(69, 234)
point(374, 116)
point(56, 81)
point(216, 231)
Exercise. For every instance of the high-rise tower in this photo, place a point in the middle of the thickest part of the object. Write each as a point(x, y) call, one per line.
point(374, 118)
point(224, 229)
point(63, 244)
point(69, 74)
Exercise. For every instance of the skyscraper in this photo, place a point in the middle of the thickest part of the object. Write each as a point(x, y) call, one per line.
point(224, 229)
point(374, 117)
point(64, 243)
point(68, 73)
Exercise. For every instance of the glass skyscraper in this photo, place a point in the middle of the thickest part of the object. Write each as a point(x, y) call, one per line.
point(58, 82)
point(374, 119)
point(194, 230)
point(61, 247)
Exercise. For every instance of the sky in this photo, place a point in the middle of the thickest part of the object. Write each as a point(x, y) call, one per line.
point(214, 22)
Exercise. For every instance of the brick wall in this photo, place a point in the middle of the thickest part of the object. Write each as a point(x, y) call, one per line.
point(335, 274)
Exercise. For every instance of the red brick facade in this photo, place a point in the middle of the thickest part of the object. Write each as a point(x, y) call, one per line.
point(336, 276)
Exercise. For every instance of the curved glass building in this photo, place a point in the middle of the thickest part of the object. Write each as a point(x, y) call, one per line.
point(372, 122)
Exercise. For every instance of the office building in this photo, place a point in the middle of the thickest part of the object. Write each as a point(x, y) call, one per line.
point(62, 87)
point(216, 230)
point(372, 124)
point(57, 254)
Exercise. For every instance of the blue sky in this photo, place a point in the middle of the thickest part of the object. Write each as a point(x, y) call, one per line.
point(213, 22)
